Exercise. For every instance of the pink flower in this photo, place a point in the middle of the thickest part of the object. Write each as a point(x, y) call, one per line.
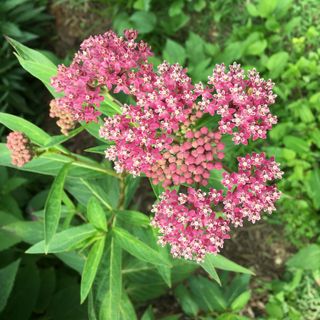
point(249, 193)
point(103, 63)
point(20, 148)
point(243, 104)
point(189, 223)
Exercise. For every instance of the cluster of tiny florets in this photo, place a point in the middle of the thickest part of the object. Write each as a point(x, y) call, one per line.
point(66, 121)
point(161, 135)
point(243, 104)
point(104, 62)
point(156, 131)
point(189, 224)
point(197, 223)
point(248, 194)
point(20, 148)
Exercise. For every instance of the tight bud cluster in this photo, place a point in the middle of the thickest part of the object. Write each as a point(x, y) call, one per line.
point(20, 148)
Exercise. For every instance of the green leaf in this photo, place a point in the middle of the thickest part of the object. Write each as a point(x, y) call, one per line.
point(176, 8)
point(223, 263)
point(137, 248)
point(148, 314)
point(142, 5)
point(127, 311)
point(56, 140)
point(174, 53)
point(34, 133)
point(208, 266)
point(157, 188)
point(7, 277)
point(96, 214)
point(296, 144)
point(266, 7)
point(111, 304)
point(144, 21)
point(52, 209)
point(186, 301)
point(35, 63)
point(28, 231)
point(313, 187)
point(65, 240)
point(277, 63)
point(252, 9)
point(240, 302)
point(133, 218)
point(90, 268)
point(207, 294)
point(307, 258)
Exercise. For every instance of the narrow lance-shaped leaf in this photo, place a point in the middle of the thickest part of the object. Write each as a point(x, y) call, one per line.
point(112, 302)
point(52, 210)
point(7, 277)
point(220, 262)
point(208, 266)
point(96, 214)
point(137, 248)
point(90, 268)
point(34, 133)
point(65, 240)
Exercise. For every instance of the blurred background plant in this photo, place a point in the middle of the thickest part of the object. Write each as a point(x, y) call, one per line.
point(277, 37)
point(28, 22)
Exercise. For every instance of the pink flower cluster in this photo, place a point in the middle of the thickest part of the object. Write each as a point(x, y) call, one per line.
point(248, 193)
point(65, 121)
point(156, 136)
point(20, 148)
point(243, 104)
point(104, 62)
point(197, 223)
point(189, 224)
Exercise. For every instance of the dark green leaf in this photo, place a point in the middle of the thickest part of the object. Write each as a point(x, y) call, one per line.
point(7, 277)
point(52, 209)
point(90, 268)
point(137, 248)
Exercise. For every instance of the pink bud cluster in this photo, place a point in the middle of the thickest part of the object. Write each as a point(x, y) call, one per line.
point(65, 121)
point(104, 62)
point(20, 148)
point(191, 161)
point(197, 223)
point(243, 104)
point(248, 193)
point(189, 224)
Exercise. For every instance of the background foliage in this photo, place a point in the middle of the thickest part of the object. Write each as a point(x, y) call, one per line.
point(280, 39)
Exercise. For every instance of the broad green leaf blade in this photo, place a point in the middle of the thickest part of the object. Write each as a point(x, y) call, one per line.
point(308, 258)
point(65, 240)
point(7, 277)
point(90, 268)
point(223, 263)
point(208, 266)
point(240, 302)
point(35, 63)
point(96, 214)
point(127, 311)
point(186, 301)
point(111, 304)
point(207, 294)
point(52, 209)
point(148, 314)
point(137, 248)
point(133, 218)
point(34, 133)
